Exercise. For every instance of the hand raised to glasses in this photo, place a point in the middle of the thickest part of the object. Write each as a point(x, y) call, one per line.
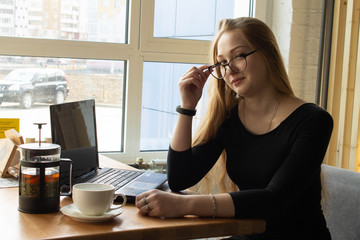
point(191, 86)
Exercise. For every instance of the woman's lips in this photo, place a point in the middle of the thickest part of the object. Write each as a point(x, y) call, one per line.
point(237, 81)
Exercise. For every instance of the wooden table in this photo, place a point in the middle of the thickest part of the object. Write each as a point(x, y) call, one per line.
point(129, 225)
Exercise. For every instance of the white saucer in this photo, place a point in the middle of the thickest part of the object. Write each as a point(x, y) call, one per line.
point(72, 211)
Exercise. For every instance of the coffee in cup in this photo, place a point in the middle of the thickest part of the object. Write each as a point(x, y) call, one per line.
point(94, 199)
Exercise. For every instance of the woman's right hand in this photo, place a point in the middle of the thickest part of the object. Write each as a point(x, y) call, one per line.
point(191, 86)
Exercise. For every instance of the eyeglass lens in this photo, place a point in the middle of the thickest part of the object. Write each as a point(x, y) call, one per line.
point(237, 64)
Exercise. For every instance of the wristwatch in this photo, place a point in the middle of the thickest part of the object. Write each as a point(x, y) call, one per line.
point(184, 111)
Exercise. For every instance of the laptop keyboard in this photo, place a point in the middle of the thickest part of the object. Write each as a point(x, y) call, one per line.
point(117, 177)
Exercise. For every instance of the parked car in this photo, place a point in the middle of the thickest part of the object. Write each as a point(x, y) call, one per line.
point(29, 85)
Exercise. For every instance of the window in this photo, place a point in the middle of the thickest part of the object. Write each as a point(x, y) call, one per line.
point(159, 98)
point(69, 20)
point(46, 78)
point(116, 60)
point(184, 20)
point(160, 78)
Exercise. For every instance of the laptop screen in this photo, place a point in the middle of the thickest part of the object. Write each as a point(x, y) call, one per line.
point(73, 127)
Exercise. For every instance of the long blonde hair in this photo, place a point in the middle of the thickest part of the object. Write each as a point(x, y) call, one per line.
point(222, 99)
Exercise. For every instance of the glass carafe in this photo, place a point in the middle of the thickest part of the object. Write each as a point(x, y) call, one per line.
point(39, 187)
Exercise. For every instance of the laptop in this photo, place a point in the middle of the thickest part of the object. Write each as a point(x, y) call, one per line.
point(73, 127)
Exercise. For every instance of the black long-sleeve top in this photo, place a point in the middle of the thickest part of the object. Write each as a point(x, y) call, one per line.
point(278, 173)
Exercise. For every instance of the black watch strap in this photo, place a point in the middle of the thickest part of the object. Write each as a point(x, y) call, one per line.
point(184, 111)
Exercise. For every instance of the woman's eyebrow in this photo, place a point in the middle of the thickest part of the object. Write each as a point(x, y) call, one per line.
point(233, 50)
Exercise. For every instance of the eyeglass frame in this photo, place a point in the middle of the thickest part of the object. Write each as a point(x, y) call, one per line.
point(228, 64)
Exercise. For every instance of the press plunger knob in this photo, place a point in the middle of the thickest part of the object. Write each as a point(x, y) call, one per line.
point(39, 127)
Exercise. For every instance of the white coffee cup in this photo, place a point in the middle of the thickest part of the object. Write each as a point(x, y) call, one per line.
point(94, 199)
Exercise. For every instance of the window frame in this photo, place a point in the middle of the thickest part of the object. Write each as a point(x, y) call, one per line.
point(140, 47)
point(149, 43)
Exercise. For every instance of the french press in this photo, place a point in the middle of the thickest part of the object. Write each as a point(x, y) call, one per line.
point(39, 175)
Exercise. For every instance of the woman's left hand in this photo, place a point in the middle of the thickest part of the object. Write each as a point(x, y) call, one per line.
point(156, 203)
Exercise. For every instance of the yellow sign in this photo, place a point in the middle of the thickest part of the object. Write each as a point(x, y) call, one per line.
point(9, 123)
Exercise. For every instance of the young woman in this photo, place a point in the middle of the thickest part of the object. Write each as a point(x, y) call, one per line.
point(270, 143)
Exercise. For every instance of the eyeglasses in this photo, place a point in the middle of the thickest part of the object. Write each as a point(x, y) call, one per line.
point(237, 64)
